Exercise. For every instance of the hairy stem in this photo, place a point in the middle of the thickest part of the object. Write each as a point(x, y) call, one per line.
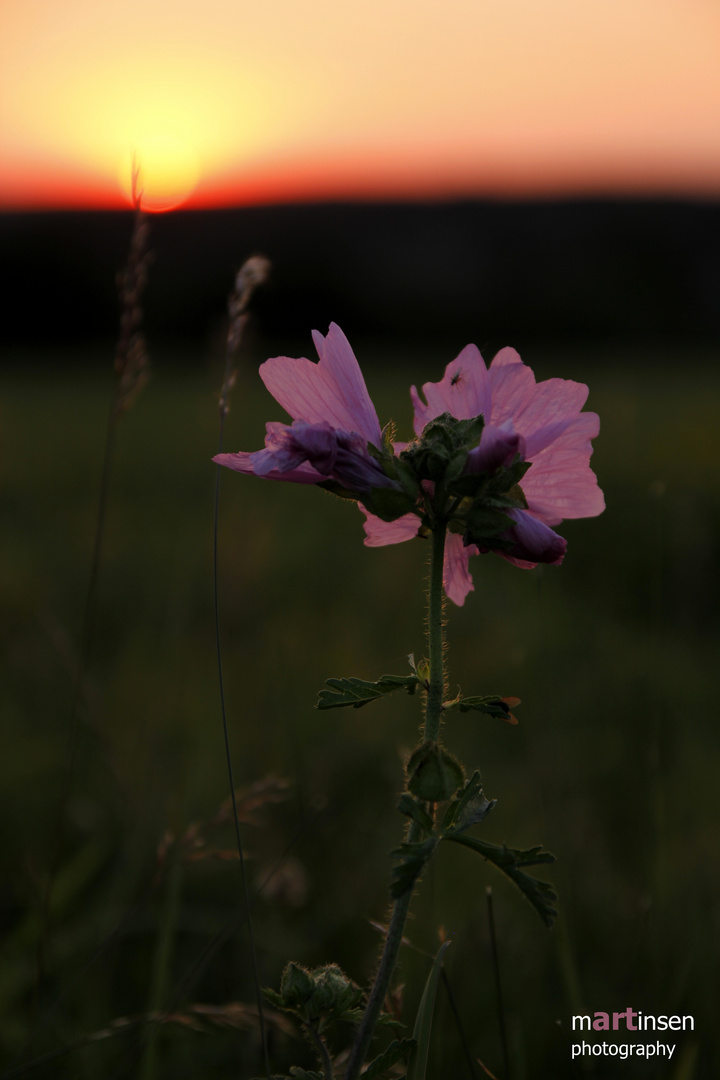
point(322, 1051)
point(433, 712)
point(393, 942)
point(436, 642)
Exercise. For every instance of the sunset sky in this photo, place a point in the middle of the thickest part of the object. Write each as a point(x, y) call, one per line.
point(230, 102)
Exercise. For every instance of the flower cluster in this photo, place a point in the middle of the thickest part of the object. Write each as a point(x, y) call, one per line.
point(511, 457)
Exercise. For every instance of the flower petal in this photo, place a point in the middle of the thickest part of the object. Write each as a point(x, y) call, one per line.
point(456, 574)
point(380, 533)
point(498, 446)
point(560, 483)
point(332, 390)
point(540, 411)
point(240, 462)
point(533, 542)
point(512, 385)
point(464, 391)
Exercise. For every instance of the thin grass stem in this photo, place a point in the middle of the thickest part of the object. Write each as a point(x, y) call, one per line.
point(498, 982)
point(252, 273)
point(458, 1021)
point(163, 960)
point(228, 757)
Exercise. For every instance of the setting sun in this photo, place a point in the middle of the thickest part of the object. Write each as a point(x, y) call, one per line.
point(167, 172)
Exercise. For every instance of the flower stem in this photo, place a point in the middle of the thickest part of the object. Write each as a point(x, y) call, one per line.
point(322, 1050)
point(433, 712)
point(393, 941)
point(436, 642)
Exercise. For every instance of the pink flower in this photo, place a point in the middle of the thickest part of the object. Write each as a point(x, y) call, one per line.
point(540, 422)
point(334, 420)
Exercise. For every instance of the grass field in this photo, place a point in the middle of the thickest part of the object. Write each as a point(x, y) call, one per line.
point(613, 766)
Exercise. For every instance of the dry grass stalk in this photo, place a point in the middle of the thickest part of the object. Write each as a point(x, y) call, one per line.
point(131, 359)
point(253, 272)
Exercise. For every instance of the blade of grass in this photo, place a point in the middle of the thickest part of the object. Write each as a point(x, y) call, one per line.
point(163, 960)
point(423, 1022)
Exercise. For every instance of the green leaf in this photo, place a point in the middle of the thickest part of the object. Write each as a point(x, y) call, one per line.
point(469, 808)
point(423, 1022)
point(413, 858)
point(421, 669)
point(274, 998)
point(390, 1056)
point(491, 705)
point(413, 808)
point(388, 1020)
point(540, 894)
point(358, 692)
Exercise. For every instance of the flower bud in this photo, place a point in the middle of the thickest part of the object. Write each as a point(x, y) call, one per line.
point(296, 987)
point(434, 774)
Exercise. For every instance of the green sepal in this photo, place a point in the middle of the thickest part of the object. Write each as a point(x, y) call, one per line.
point(388, 438)
point(490, 704)
point(388, 503)
point(484, 522)
point(469, 807)
point(394, 468)
point(434, 775)
point(506, 478)
point(454, 469)
point(515, 498)
point(413, 858)
point(441, 451)
point(335, 995)
point(453, 433)
point(397, 1049)
point(336, 488)
point(402, 472)
point(358, 692)
point(468, 485)
point(414, 808)
point(296, 986)
point(540, 894)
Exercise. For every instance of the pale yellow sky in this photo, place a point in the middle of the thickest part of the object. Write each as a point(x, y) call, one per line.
point(300, 97)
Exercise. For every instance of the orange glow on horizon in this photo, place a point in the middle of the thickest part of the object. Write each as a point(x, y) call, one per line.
point(287, 102)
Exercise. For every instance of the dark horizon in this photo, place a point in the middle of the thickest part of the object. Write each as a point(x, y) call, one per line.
point(635, 272)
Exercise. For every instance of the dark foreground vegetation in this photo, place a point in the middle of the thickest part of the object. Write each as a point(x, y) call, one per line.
point(613, 765)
